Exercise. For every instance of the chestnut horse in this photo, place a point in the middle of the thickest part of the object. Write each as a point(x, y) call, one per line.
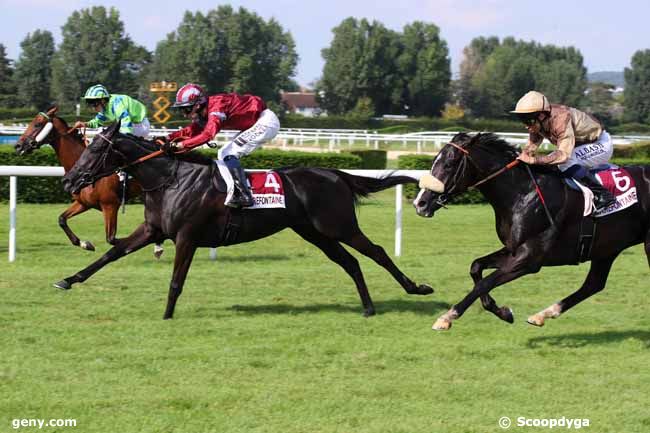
point(183, 203)
point(105, 195)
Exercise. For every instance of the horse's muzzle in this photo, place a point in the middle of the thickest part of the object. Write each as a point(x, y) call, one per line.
point(25, 146)
point(423, 203)
point(73, 183)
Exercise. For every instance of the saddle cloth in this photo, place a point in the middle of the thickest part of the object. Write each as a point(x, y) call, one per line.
point(266, 187)
point(618, 181)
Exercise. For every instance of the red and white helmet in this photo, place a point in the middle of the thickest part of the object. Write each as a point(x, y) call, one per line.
point(189, 95)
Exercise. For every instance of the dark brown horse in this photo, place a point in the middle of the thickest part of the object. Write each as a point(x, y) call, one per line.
point(531, 238)
point(105, 195)
point(183, 203)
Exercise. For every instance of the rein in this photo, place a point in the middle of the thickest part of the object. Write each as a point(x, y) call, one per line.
point(135, 162)
point(502, 170)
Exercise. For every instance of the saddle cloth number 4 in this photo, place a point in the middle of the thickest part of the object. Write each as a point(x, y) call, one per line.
point(271, 182)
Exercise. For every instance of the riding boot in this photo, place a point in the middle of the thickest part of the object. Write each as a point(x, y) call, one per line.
point(243, 197)
point(603, 198)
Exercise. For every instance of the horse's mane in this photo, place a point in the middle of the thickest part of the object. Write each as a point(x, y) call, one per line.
point(152, 146)
point(492, 143)
point(489, 142)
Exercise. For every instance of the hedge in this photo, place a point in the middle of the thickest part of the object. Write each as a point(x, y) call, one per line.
point(371, 159)
point(639, 150)
point(48, 189)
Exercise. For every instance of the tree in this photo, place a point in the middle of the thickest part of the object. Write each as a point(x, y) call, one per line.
point(495, 75)
point(424, 67)
point(637, 88)
point(474, 56)
point(94, 50)
point(601, 103)
point(7, 88)
point(225, 51)
point(338, 89)
point(33, 69)
point(400, 72)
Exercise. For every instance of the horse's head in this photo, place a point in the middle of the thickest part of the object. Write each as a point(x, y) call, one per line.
point(101, 158)
point(39, 132)
point(460, 164)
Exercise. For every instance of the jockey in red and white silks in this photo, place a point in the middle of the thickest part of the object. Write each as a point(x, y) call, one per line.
point(210, 114)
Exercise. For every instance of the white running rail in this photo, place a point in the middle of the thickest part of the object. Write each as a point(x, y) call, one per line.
point(13, 171)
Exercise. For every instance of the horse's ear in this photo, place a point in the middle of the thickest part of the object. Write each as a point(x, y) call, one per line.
point(52, 110)
point(112, 130)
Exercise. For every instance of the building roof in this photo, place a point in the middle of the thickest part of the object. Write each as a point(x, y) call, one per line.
point(295, 100)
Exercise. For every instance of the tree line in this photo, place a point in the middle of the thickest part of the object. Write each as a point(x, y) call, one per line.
point(369, 69)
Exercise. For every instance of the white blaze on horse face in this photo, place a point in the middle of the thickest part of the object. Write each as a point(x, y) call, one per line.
point(46, 130)
point(432, 183)
point(418, 197)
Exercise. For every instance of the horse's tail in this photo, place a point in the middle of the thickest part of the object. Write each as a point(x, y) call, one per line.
point(362, 186)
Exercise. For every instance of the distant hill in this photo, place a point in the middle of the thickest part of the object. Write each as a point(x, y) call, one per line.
point(611, 77)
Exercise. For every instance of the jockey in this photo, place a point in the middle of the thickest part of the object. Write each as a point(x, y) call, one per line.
point(581, 141)
point(210, 114)
point(109, 108)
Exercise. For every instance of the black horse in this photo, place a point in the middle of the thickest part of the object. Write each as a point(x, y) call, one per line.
point(532, 238)
point(184, 203)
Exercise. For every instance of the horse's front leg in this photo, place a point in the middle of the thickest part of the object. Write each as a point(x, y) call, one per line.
point(75, 209)
point(143, 235)
point(491, 261)
point(185, 249)
point(527, 260)
point(594, 283)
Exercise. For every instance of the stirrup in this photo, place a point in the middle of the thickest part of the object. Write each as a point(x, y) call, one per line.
point(603, 202)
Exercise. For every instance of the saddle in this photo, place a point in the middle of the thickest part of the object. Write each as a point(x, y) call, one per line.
point(619, 182)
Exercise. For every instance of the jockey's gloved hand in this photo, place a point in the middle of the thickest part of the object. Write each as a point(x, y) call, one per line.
point(165, 145)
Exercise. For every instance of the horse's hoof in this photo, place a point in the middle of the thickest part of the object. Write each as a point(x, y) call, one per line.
point(368, 313)
point(507, 315)
point(424, 289)
point(441, 325)
point(536, 320)
point(87, 245)
point(63, 285)
point(158, 251)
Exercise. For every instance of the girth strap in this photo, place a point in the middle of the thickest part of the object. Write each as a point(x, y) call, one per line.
point(586, 237)
point(233, 226)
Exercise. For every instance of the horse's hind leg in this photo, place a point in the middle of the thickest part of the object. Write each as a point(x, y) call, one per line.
point(75, 209)
point(184, 254)
point(361, 243)
point(491, 261)
point(594, 283)
point(647, 247)
point(335, 252)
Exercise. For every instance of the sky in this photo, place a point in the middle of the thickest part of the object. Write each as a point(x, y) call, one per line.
point(607, 33)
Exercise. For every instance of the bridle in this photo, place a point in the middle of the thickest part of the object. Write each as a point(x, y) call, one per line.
point(39, 136)
point(111, 147)
point(443, 198)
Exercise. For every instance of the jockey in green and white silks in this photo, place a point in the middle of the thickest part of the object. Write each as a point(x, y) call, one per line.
point(110, 108)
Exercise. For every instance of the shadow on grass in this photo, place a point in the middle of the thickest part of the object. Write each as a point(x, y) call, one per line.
point(255, 258)
point(383, 307)
point(584, 339)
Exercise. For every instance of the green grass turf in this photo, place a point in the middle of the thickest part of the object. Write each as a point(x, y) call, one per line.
point(270, 337)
